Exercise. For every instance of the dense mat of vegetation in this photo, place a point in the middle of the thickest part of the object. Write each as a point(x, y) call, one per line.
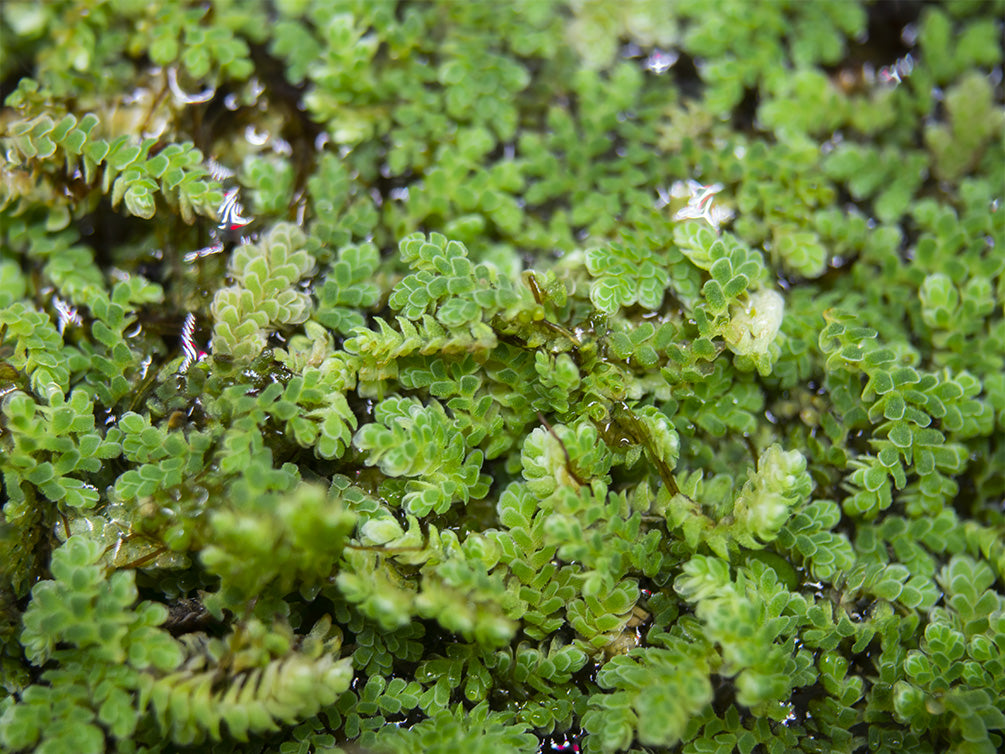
point(493, 376)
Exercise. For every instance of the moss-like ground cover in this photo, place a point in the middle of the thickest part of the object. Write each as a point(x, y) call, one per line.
point(485, 377)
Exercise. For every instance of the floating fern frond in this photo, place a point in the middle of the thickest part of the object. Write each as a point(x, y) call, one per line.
point(127, 171)
point(264, 296)
point(419, 444)
point(193, 706)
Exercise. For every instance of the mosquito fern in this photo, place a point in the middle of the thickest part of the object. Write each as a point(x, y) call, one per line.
point(535, 376)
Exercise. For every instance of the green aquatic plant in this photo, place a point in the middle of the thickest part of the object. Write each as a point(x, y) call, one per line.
point(396, 376)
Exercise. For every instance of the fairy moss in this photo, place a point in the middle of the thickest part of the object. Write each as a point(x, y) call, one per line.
point(487, 377)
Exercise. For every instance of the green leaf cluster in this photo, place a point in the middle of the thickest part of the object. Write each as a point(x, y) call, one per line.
point(102, 642)
point(447, 285)
point(282, 685)
point(264, 295)
point(418, 443)
point(626, 375)
point(127, 169)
